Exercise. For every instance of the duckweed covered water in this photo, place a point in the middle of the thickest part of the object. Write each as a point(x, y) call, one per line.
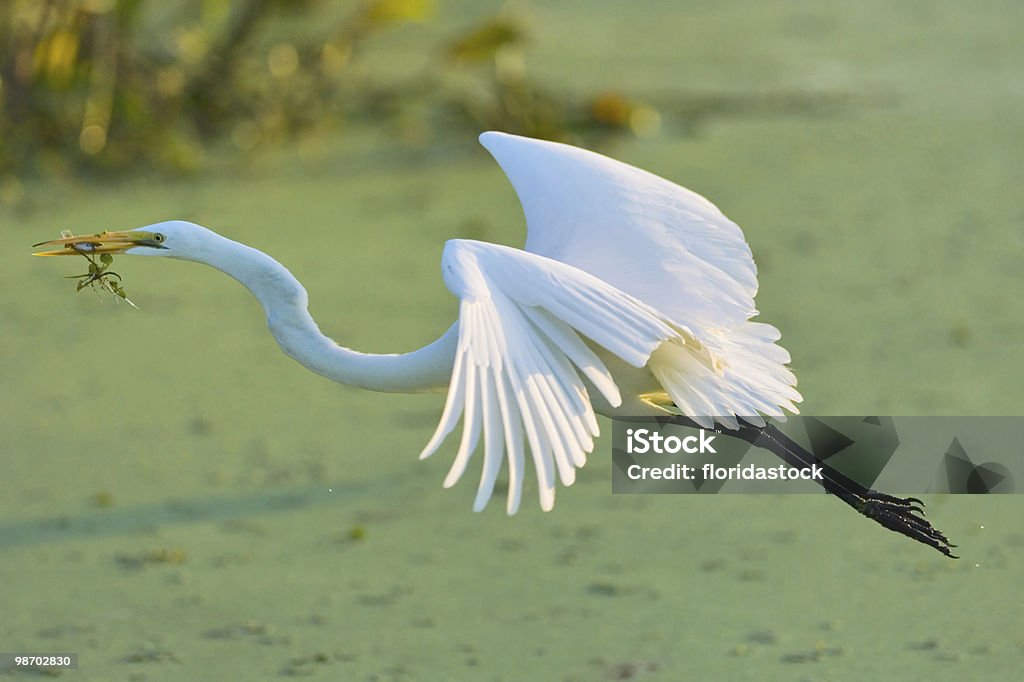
point(180, 500)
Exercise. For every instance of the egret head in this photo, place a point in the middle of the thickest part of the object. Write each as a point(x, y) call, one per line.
point(171, 239)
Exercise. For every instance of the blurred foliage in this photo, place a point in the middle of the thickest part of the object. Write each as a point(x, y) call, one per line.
point(111, 84)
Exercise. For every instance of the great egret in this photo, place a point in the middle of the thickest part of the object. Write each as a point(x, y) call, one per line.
point(634, 296)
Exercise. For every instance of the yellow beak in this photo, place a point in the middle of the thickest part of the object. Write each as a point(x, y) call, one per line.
point(104, 242)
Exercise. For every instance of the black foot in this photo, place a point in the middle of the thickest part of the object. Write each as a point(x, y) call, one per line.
point(903, 515)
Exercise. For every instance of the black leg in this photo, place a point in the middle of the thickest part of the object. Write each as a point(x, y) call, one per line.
point(903, 515)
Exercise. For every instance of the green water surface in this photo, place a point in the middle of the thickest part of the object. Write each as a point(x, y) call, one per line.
point(179, 500)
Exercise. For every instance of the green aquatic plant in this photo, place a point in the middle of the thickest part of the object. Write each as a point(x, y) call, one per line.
point(99, 277)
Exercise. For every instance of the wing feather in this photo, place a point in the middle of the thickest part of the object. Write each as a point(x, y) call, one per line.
point(513, 424)
point(519, 361)
point(494, 436)
point(575, 350)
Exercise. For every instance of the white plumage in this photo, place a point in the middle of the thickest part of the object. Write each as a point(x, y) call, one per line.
point(642, 268)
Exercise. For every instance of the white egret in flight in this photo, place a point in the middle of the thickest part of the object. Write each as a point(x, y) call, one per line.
point(633, 296)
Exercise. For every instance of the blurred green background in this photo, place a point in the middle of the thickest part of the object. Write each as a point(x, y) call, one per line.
point(179, 500)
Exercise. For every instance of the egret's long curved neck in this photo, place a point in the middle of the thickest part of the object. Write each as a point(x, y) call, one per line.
point(285, 301)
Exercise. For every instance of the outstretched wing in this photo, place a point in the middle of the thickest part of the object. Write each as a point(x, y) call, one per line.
point(668, 247)
point(519, 360)
point(647, 236)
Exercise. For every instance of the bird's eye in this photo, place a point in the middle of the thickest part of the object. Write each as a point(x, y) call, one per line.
point(158, 238)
